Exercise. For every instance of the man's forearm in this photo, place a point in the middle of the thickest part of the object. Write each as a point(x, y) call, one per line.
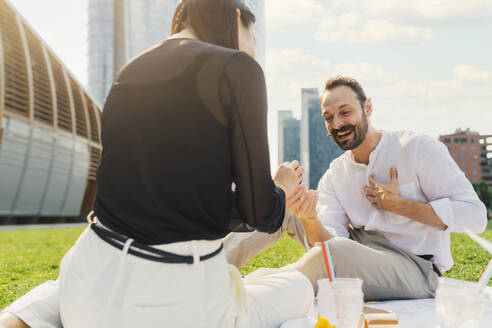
point(315, 231)
point(418, 211)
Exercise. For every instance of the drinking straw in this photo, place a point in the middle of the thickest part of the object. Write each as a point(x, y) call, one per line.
point(328, 261)
point(484, 279)
point(481, 241)
point(330, 271)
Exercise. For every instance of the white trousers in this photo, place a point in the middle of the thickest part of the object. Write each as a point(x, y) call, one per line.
point(102, 286)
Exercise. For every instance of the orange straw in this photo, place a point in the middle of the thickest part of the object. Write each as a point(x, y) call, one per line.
point(327, 262)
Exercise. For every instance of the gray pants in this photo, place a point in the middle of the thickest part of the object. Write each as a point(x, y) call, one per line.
point(388, 272)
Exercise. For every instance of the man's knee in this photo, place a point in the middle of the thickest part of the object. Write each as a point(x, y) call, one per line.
point(344, 253)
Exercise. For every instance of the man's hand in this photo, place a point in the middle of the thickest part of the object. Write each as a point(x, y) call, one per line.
point(288, 177)
point(303, 203)
point(387, 197)
point(384, 197)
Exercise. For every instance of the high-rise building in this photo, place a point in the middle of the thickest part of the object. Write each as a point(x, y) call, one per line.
point(289, 147)
point(118, 31)
point(258, 8)
point(469, 150)
point(317, 149)
point(121, 29)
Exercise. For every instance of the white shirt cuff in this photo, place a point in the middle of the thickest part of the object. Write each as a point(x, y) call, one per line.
point(444, 211)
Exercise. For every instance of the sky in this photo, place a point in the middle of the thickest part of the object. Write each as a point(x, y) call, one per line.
point(425, 64)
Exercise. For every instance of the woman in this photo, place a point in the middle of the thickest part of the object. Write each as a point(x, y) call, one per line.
point(182, 122)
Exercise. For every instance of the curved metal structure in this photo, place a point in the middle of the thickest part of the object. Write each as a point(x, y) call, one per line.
point(49, 128)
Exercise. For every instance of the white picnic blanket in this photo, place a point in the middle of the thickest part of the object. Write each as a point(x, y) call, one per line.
point(411, 314)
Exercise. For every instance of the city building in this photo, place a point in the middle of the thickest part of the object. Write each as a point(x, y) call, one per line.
point(317, 148)
point(470, 151)
point(49, 128)
point(289, 147)
point(118, 30)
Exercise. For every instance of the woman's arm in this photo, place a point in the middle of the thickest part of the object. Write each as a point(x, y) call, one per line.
point(260, 202)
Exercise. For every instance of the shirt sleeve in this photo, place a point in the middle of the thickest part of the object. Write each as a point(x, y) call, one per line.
point(260, 203)
point(450, 193)
point(330, 211)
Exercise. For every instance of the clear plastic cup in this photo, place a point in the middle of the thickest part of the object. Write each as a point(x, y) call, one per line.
point(341, 301)
point(459, 303)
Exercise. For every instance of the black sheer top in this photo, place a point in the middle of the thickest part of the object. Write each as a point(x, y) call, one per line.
point(182, 122)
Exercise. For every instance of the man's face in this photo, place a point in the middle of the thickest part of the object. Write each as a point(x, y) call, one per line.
point(344, 117)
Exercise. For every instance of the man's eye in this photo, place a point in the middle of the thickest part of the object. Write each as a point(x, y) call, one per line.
point(346, 112)
point(328, 119)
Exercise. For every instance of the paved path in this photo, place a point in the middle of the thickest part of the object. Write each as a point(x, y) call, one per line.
point(41, 226)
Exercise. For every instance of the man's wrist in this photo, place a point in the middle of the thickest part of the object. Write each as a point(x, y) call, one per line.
point(308, 219)
point(397, 205)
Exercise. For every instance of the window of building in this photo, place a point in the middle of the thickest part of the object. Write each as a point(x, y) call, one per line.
point(474, 180)
point(474, 163)
point(447, 140)
point(462, 155)
point(463, 147)
point(474, 147)
point(475, 156)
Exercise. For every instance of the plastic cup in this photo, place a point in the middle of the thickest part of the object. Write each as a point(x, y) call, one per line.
point(459, 303)
point(341, 301)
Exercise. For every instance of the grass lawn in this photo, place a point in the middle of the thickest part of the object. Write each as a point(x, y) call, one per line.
point(29, 258)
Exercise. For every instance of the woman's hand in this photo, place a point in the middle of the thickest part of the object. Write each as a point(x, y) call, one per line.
point(288, 177)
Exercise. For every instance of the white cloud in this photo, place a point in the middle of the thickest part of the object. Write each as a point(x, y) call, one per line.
point(352, 28)
point(467, 72)
point(423, 11)
point(292, 16)
point(290, 70)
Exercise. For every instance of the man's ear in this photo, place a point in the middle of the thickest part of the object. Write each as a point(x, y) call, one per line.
point(368, 108)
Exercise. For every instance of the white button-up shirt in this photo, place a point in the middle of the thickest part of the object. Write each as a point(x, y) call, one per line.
point(426, 172)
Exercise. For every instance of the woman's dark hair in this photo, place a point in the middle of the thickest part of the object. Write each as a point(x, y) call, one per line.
point(212, 21)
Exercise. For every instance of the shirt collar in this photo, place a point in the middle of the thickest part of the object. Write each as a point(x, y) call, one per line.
point(349, 156)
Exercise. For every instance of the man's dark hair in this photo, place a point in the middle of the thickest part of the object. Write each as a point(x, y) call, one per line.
point(348, 82)
point(212, 21)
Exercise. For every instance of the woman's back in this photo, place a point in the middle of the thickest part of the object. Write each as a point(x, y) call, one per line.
point(182, 121)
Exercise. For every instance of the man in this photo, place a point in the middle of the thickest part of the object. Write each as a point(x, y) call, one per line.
point(386, 206)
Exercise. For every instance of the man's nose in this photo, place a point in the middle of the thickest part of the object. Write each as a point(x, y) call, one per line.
point(337, 123)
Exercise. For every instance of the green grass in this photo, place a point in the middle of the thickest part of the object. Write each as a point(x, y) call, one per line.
point(29, 258)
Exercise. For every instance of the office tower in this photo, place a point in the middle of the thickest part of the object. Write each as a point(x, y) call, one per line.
point(289, 147)
point(317, 148)
point(118, 31)
point(469, 150)
point(121, 29)
point(258, 8)
point(49, 128)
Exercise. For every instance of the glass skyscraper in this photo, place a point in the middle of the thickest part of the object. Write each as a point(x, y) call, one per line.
point(118, 31)
point(289, 146)
point(317, 148)
point(121, 29)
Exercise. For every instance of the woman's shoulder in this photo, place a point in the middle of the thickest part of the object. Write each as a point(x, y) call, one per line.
point(233, 56)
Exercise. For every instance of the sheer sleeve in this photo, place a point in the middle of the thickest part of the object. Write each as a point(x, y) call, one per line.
point(260, 203)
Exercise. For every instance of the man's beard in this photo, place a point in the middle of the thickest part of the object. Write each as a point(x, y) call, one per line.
point(359, 134)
